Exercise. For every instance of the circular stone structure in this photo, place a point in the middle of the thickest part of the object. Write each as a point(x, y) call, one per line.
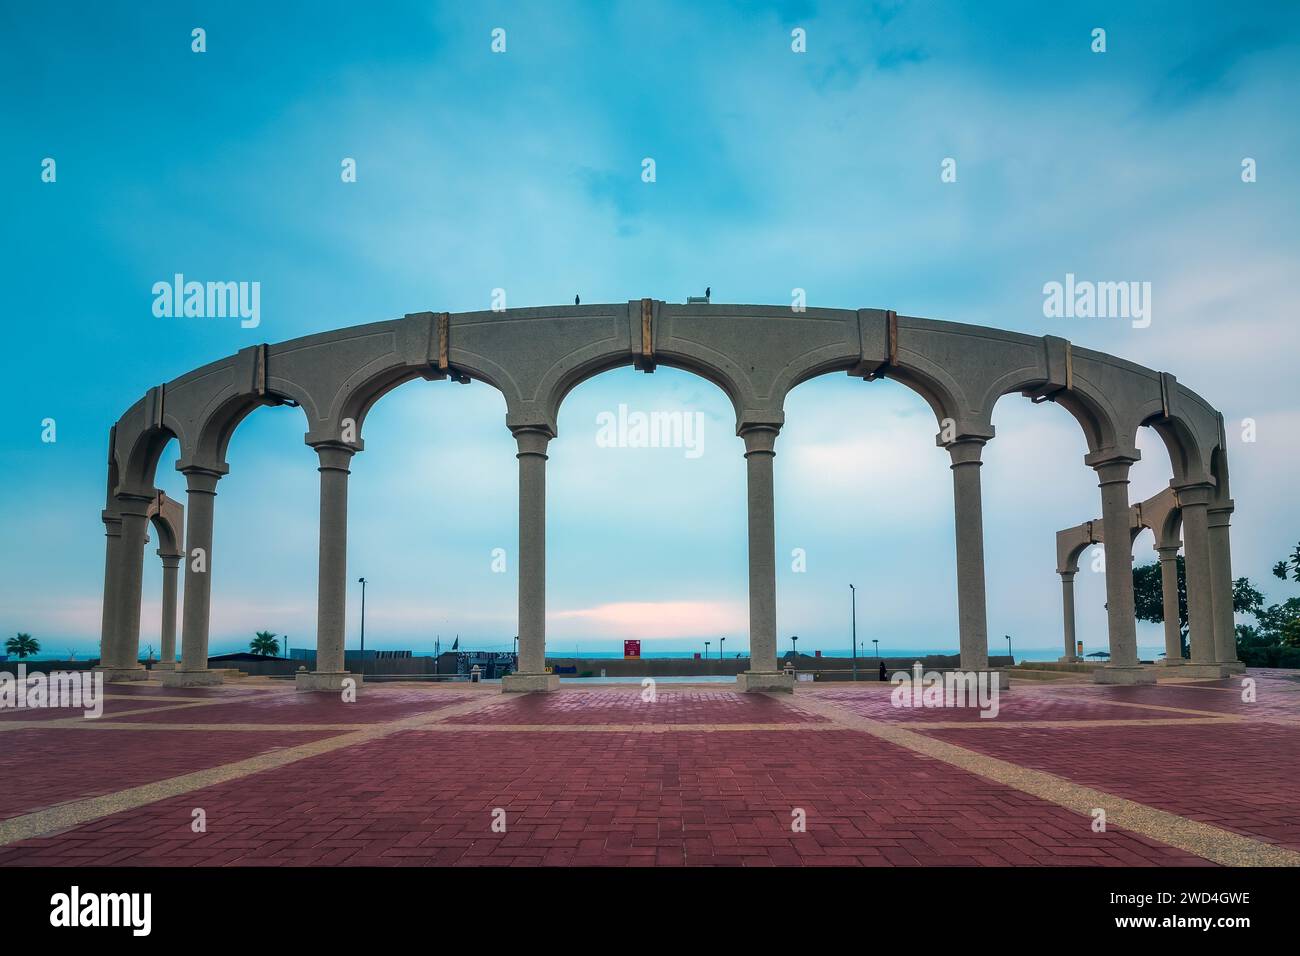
point(755, 354)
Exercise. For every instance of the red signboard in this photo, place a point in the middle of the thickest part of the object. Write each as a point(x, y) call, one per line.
point(631, 649)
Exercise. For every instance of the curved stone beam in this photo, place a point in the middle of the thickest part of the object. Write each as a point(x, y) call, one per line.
point(755, 354)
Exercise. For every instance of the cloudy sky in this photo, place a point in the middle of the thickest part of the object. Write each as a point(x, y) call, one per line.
point(522, 171)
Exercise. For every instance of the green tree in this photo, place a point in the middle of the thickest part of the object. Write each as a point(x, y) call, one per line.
point(1149, 600)
point(265, 643)
point(24, 645)
point(1274, 639)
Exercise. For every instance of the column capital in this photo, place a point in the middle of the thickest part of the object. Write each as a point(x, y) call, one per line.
point(334, 455)
point(1168, 552)
point(170, 560)
point(532, 439)
point(1067, 575)
point(112, 523)
point(1112, 471)
point(760, 438)
point(202, 480)
point(131, 505)
point(1221, 513)
point(965, 449)
point(1196, 493)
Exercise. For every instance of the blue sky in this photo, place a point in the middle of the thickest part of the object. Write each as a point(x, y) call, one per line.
point(521, 171)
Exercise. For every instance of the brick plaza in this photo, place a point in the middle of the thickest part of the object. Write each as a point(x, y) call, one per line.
point(416, 775)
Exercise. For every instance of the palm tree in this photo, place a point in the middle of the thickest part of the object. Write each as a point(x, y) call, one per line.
point(265, 643)
point(24, 645)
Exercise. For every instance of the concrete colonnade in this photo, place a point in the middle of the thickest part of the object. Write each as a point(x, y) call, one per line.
point(756, 355)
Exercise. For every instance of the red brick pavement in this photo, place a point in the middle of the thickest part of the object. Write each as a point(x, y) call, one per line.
point(1243, 777)
point(1017, 704)
point(40, 767)
point(626, 707)
point(295, 708)
point(599, 797)
point(604, 798)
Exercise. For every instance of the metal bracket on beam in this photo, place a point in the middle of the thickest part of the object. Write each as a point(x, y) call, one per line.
point(444, 350)
point(1059, 358)
point(259, 371)
point(644, 357)
point(877, 331)
point(1167, 386)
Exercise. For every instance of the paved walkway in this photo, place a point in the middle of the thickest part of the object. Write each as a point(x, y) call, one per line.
point(411, 775)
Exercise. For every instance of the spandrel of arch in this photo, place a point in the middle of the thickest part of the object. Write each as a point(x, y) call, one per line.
point(755, 354)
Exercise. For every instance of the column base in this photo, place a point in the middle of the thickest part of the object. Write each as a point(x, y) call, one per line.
point(759, 681)
point(327, 681)
point(1171, 662)
point(1204, 671)
point(114, 675)
point(1120, 674)
point(1068, 660)
point(1232, 667)
point(165, 666)
point(180, 678)
point(529, 683)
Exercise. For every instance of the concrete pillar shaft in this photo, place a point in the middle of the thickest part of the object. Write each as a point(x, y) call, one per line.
point(1067, 605)
point(1170, 605)
point(1120, 619)
point(968, 513)
point(112, 561)
point(332, 586)
point(126, 645)
point(532, 549)
point(1225, 622)
point(760, 450)
point(1196, 551)
point(167, 654)
point(201, 492)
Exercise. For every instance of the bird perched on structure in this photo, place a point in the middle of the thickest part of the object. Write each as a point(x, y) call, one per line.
point(576, 300)
point(708, 292)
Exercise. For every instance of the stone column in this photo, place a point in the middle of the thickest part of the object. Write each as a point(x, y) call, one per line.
point(760, 450)
point(167, 656)
point(1067, 603)
point(532, 676)
point(1169, 598)
point(1225, 622)
point(112, 559)
point(201, 494)
point(1193, 500)
point(120, 659)
point(332, 586)
point(968, 512)
point(1121, 621)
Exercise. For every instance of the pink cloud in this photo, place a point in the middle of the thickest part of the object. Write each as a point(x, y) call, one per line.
point(656, 619)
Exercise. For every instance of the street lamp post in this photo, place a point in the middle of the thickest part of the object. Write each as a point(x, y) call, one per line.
point(706, 649)
point(1009, 654)
point(794, 646)
point(853, 597)
point(721, 641)
point(362, 582)
point(877, 643)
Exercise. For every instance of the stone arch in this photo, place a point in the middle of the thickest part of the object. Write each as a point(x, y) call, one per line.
point(755, 354)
